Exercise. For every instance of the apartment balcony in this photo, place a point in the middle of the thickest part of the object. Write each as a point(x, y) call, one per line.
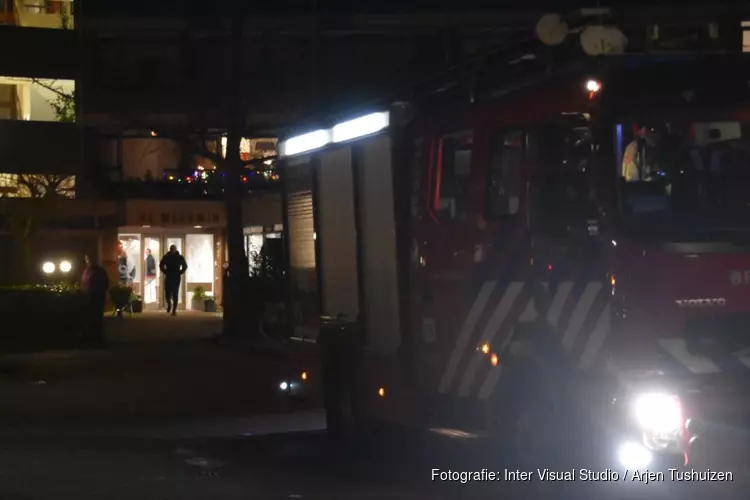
point(40, 147)
point(182, 190)
point(47, 14)
point(40, 53)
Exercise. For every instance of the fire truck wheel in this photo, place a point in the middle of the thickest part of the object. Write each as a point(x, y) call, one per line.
point(528, 431)
point(527, 419)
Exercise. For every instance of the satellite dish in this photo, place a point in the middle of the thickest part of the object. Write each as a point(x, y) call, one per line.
point(603, 40)
point(551, 29)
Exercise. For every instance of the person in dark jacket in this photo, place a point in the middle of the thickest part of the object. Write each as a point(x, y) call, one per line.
point(173, 266)
point(94, 285)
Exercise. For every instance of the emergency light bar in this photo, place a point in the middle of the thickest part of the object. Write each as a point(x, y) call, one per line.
point(344, 131)
point(306, 142)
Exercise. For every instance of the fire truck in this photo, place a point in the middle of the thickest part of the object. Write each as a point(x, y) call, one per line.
point(565, 245)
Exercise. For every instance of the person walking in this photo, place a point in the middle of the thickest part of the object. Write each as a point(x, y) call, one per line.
point(94, 285)
point(173, 266)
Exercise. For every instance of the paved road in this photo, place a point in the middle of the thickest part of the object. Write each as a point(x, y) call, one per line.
point(217, 460)
point(140, 381)
point(173, 462)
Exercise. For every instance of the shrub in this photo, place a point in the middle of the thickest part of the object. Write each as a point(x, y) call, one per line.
point(46, 314)
point(120, 295)
point(199, 293)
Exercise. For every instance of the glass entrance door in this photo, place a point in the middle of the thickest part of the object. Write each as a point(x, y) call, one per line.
point(199, 250)
point(152, 287)
point(179, 242)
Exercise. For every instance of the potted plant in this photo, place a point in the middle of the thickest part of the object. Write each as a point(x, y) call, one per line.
point(120, 295)
point(136, 302)
point(209, 305)
point(199, 297)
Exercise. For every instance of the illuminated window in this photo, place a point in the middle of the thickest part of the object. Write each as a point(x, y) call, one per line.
point(8, 185)
point(245, 149)
point(252, 148)
point(37, 185)
point(43, 100)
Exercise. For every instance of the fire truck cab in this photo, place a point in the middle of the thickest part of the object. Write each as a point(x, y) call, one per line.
point(576, 244)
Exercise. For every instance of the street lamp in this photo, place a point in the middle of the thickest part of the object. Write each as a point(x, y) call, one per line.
point(65, 266)
point(48, 268)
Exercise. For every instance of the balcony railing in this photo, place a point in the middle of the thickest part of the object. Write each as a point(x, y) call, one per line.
point(57, 14)
point(24, 146)
point(170, 190)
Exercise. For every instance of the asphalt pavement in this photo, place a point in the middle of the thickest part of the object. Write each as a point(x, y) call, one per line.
point(248, 459)
point(199, 421)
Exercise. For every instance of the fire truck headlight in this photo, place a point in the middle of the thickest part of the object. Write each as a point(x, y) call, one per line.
point(658, 413)
point(634, 456)
point(593, 85)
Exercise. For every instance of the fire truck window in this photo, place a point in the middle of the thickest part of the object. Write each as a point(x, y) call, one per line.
point(455, 170)
point(679, 167)
point(504, 174)
point(561, 191)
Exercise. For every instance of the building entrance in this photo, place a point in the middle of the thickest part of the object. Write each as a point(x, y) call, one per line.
point(141, 253)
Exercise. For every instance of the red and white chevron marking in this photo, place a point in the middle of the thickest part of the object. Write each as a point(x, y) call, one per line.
point(580, 313)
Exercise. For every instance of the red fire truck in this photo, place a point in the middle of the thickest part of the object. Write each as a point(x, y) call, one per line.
point(572, 248)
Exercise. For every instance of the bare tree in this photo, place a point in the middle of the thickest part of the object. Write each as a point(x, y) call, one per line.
point(51, 185)
point(23, 220)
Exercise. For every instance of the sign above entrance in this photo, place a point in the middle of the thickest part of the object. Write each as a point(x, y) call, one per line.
point(174, 213)
point(180, 219)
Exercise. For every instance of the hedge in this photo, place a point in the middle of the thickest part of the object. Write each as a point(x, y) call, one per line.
point(48, 314)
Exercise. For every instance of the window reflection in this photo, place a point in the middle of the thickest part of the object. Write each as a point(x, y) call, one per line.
point(504, 176)
point(151, 292)
point(455, 175)
point(199, 254)
point(128, 259)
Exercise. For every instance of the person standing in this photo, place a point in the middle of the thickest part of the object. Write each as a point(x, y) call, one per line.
point(94, 285)
point(173, 266)
point(150, 278)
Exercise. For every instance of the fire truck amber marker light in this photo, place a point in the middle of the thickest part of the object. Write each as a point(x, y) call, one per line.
point(359, 127)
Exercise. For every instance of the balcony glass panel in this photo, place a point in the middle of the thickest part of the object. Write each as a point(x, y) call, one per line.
point(52, 14)
point(33, 99)
point(37, 186)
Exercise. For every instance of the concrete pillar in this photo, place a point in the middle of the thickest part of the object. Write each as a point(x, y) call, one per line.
point(219, 260)
point(108, 257)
